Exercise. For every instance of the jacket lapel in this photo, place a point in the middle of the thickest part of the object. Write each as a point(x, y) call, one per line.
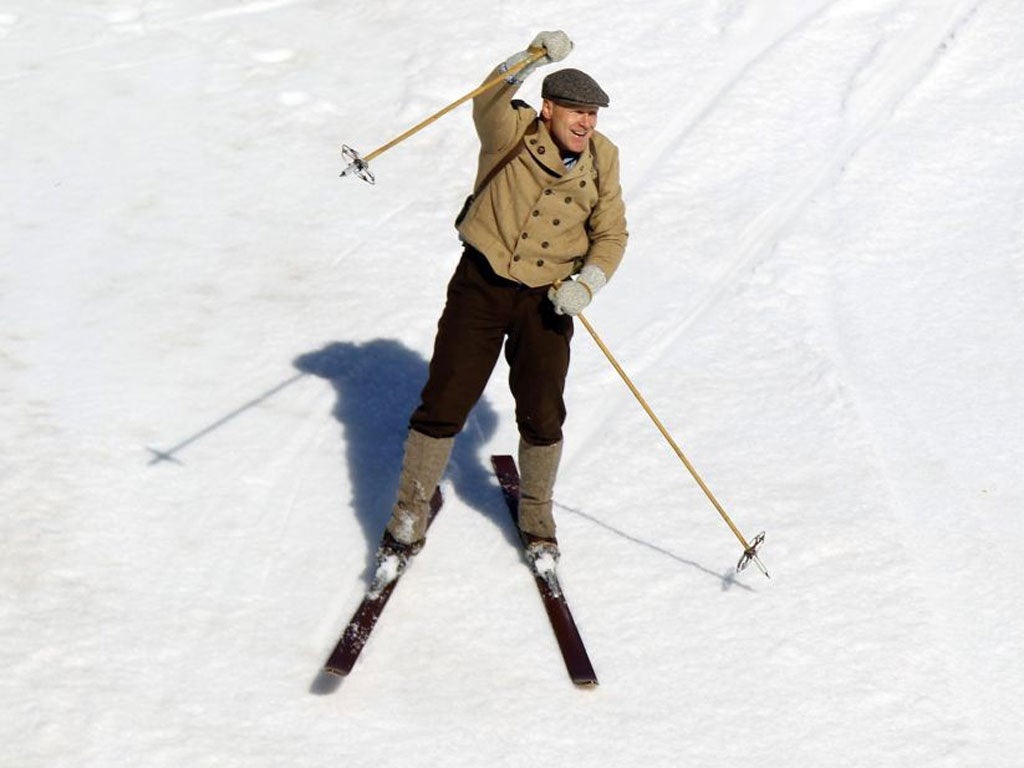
point(545, 152)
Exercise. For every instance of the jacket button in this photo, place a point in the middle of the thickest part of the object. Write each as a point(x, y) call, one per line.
point(536, 213)
point(540, 262)
point(556, 222)
point(545, 244)
point(541, 150)
point(583, 183)
point(524, 236)
point(547, 191)
point(533, 142)
point(516, 257)
point(568, 199)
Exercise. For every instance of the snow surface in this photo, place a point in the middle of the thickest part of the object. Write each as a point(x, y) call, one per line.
point(822, 300)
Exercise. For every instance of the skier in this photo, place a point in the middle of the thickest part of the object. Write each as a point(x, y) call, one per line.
point(547, 205)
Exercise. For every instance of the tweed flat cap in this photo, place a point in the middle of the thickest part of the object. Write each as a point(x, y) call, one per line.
point(573, 88)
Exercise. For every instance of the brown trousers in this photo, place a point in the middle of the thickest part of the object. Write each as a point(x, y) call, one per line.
point(481, 311)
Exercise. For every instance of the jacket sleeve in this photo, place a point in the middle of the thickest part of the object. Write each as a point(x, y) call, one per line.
point(499, 123)
point(607, 223)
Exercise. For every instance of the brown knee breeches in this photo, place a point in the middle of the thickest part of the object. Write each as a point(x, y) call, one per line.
point(481, 311)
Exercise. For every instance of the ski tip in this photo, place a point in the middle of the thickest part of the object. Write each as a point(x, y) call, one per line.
point(587, 684)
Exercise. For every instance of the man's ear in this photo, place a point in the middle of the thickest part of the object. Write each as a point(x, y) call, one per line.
point(545, 110)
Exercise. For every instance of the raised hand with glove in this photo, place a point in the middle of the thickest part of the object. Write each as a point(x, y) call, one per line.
point(557, 44)
point(573, 296)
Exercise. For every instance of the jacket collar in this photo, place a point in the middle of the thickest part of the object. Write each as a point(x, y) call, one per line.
point(544, 150)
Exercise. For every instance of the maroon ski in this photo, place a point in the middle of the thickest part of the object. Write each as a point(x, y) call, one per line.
point(345, 653)
point(577, 662)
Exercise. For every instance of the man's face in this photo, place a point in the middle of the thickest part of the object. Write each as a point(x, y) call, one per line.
point(570, 127)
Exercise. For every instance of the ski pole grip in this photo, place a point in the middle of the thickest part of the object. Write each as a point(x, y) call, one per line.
point(535, 55)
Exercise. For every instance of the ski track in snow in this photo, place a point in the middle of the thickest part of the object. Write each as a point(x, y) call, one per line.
point(678, 129)
point(250, 9)
point(911, 62)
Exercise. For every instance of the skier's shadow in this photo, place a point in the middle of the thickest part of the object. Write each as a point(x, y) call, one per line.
point(378, 385)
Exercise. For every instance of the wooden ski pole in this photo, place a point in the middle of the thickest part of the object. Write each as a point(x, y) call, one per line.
point(359, 165)
point(749, 550)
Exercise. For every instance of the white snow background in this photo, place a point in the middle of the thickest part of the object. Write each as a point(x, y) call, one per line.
point(821, 298)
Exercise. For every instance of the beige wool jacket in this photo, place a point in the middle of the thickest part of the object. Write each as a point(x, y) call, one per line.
point(535, 221)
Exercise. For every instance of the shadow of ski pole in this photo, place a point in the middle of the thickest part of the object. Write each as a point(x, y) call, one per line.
point(169, 454)
point(728, 579)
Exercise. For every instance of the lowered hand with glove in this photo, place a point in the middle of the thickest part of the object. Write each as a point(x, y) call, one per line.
point(572, 296)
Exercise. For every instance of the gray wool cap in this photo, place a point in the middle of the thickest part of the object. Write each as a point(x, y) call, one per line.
point(573, 88)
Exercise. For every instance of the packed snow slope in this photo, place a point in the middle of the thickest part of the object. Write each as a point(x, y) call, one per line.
point(211, 344)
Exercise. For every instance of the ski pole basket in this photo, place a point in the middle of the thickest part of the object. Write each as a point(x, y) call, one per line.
point(356, 166)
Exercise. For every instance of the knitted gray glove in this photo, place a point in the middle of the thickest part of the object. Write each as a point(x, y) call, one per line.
point(557, 44)
point(573, 296)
